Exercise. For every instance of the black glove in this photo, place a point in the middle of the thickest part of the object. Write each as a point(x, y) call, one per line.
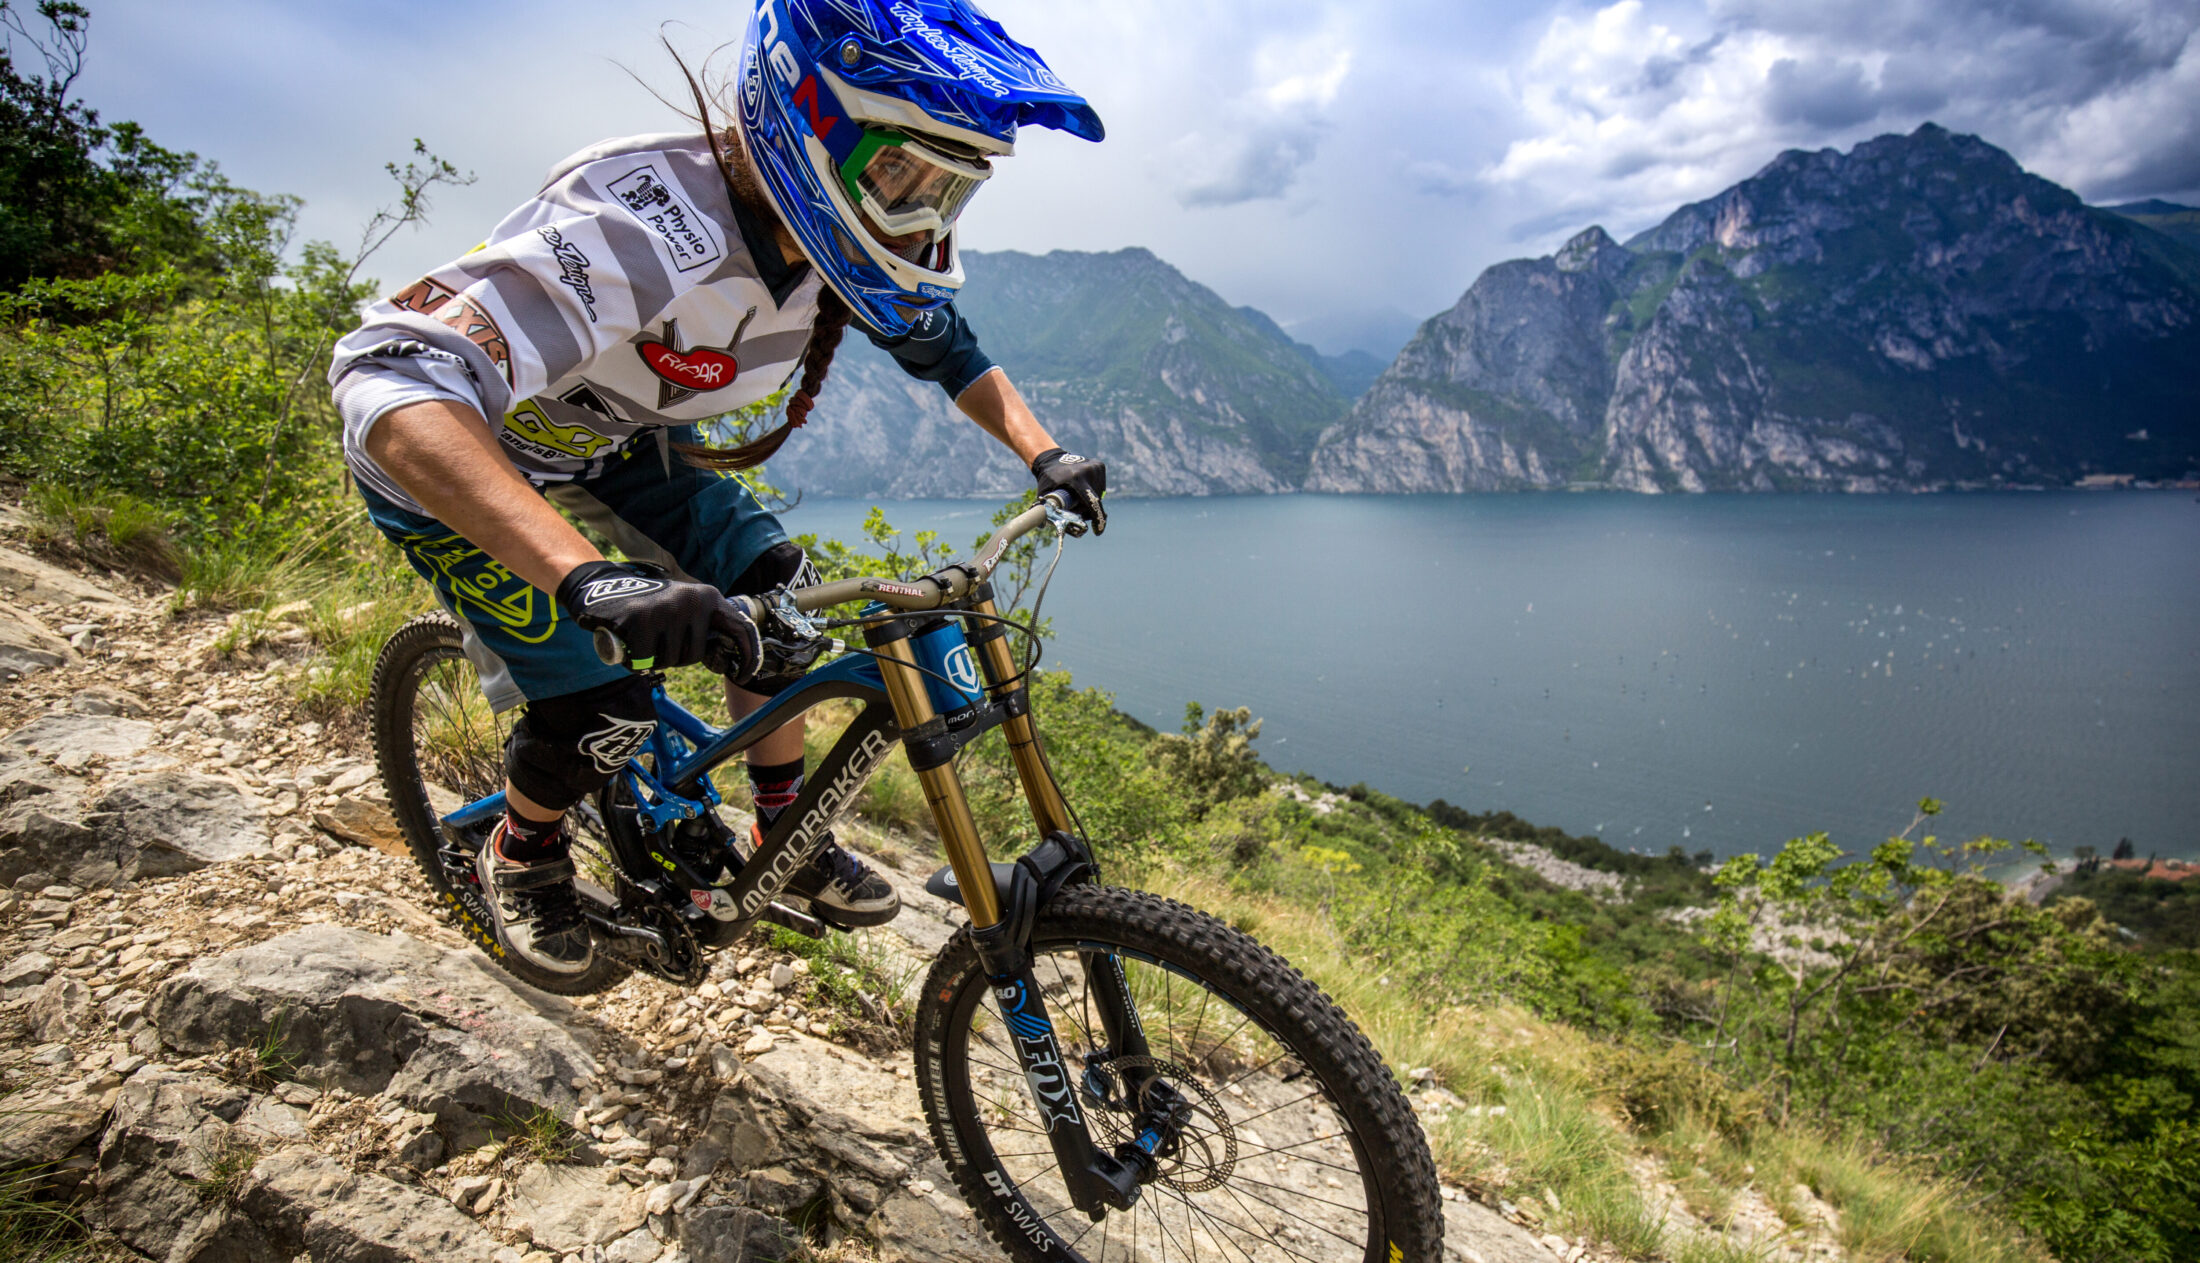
point(1082, 478)
point(662, 621)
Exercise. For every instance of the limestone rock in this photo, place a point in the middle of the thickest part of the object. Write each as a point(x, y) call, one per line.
point(99, 699)
point(364, 823)
point(25, 579)
point(42, 1127)
point(1491, 1238)
point(58, 1008)
point(738, 1234)
point(566, 1209)
point(174, 822)
point(169, 1134)
point(312, 1205)
point(61, 736)
point(436, 1030)
point(28, 645)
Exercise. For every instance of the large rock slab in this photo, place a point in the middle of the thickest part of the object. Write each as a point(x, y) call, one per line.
point(28, 645)
point(176, 822)
point(568, 1209)
point(440, 1031)
point(62, 737)
point(737, 1234)
point(161, 1162)
point(311, 1205)
point(38, 1128)
point(42, 829)
point(1473, 1233)
point(195, 1170)
point(25, 579)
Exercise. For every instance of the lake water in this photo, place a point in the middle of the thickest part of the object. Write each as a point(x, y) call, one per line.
point(1714, 672)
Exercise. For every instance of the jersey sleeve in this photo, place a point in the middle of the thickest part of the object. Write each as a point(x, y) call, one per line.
point(513, 316)
point(939, 347)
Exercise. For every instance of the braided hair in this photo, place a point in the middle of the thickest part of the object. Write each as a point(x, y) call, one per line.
point(833, 313)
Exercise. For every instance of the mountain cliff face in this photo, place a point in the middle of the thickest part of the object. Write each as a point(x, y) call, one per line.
point(1917, 312)
point(1122, 357)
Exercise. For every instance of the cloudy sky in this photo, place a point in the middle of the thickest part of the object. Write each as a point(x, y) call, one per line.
point(1325, 160)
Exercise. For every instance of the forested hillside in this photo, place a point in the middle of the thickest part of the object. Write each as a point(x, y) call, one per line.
point(1856, 1048)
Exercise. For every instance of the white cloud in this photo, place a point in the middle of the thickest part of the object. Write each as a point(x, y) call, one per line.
point(1271, 130)
point(1628, 110)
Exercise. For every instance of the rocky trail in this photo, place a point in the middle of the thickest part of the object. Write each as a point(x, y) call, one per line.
point(231, 1028)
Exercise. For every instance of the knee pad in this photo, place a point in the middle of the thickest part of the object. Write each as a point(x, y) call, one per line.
point(565, 748)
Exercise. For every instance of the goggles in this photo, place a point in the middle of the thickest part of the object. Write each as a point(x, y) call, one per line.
point(907, 185)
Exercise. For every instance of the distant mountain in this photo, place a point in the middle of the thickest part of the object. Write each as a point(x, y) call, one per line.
point(2179, 223)
point(1379, 332)
point(1918, 312)
point(1119, 353)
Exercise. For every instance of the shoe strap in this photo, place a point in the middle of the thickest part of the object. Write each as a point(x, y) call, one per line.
point(523, 877)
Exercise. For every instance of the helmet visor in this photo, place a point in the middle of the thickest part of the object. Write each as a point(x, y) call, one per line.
point(906, 185)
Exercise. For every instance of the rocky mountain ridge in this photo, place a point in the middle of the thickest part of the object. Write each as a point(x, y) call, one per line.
point(1919, 312)
point(1119, 353)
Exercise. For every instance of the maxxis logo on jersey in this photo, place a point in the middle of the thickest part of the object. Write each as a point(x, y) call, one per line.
point(609, 747)
point(469, 319)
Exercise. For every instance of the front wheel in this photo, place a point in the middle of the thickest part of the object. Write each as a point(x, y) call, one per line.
point(1299, 1145)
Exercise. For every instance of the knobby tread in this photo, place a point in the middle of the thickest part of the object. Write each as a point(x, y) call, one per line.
point(390, 713)
point(1267, 986)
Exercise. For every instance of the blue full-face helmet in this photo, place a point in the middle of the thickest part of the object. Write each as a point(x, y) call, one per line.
point(873, 122)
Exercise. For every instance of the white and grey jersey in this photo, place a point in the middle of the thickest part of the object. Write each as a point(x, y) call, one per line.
point(626, 295)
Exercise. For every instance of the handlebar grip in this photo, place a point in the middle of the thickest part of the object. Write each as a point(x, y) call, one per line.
point(609, 647)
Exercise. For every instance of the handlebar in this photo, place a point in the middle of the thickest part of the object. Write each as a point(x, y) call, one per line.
point(950, 582)
point(927, 592)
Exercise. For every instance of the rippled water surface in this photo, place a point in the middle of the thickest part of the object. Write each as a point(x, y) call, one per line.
point(1713, 672)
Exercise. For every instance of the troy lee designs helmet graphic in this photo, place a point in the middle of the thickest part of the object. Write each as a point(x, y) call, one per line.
point(872, 123)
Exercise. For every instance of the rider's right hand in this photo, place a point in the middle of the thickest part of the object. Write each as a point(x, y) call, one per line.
point(664, 622)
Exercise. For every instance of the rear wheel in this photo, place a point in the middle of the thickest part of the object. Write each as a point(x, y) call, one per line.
point(1298, 1147)
point(440, 747)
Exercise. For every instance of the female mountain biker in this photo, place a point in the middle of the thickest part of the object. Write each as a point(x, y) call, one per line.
point(655, 282)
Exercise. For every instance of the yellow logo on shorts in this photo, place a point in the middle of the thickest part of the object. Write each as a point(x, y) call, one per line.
point(478, 583)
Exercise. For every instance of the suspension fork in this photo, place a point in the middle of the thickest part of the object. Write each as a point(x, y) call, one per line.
point(1097, 1180)
point(1006, 687)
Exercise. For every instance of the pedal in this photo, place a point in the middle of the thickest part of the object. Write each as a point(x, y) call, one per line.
point(800, 922)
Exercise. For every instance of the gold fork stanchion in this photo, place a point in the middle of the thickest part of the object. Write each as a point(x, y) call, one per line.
point(942, 787)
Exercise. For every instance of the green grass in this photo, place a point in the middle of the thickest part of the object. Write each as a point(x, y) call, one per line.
point(227, 1167)
point(34, 1229)
point(111, 528)
point(865, 975)
point(538, 1135)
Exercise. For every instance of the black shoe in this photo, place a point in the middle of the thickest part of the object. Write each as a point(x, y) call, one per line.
point(842, 890)
point(537, 912)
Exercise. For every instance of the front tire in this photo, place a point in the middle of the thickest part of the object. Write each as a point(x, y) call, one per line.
point(439, 747)
point(1300, 1147)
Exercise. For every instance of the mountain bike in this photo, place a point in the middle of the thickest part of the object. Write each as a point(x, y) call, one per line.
point(1108, 1074)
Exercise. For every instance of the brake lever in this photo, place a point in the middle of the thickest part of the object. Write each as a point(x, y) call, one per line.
point(1062, 520)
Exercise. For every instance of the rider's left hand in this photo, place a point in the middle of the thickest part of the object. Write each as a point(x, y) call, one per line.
point(1083, 479)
